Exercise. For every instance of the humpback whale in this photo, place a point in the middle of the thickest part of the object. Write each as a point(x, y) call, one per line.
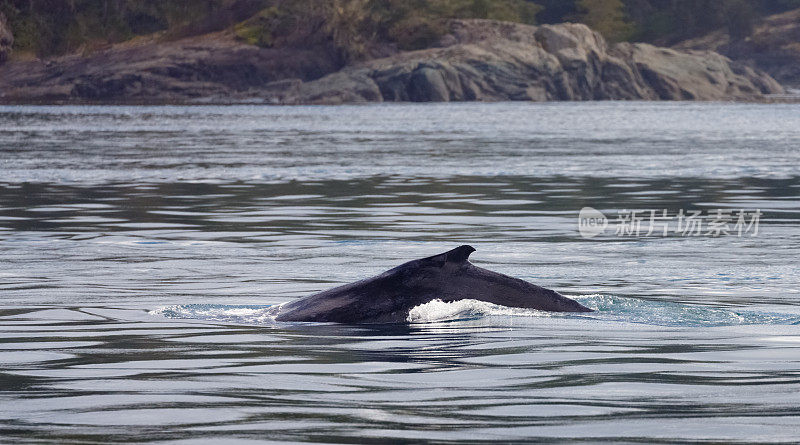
point(388, 297)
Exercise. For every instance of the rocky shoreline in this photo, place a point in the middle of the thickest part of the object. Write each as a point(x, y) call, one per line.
point(479, 60)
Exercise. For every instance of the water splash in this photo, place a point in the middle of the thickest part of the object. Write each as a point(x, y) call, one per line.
point(240, 314)
point(607, 308)
point(438, 310)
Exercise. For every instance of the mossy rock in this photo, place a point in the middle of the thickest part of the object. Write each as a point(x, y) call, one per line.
point(266, 27)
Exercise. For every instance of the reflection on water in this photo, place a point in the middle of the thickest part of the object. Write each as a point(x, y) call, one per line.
point(110, 374)
point(140, 247)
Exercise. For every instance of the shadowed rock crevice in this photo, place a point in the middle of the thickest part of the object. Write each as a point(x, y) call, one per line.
point(6, 39)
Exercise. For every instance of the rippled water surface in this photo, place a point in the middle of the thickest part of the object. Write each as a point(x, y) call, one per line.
point(140, 248)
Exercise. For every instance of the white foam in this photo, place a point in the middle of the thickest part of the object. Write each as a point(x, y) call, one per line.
point(438, 310)
point(212, 312)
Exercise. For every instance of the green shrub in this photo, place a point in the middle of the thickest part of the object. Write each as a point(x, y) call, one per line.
point(260, 29)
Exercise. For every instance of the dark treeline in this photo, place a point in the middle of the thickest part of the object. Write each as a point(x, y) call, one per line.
point(48, 27)
point(51, 27)
point(663, 21)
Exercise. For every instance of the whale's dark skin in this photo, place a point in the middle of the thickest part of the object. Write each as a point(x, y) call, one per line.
point(388, 297)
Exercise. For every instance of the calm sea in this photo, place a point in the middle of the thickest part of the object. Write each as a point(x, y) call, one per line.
point(140, 248)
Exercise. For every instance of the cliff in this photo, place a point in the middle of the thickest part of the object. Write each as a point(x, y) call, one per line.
point(478, 60)
point(490, 61)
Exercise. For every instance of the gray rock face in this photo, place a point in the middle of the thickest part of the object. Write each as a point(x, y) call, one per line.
point(479, 60)
point(209, 68)
point(6, 39)
point(492, 61)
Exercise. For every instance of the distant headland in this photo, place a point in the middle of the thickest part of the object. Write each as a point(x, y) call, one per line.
point(352, 51)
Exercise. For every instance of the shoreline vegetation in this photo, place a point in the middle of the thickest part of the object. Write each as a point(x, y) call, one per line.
point(352, 51)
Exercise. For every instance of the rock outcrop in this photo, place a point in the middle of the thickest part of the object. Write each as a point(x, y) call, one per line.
point(479, 60)
point(488, 61)
point(6, 39)
point(773, 46)
point(209, 68)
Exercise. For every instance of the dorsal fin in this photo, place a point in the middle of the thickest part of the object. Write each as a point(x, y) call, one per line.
point(458, 255)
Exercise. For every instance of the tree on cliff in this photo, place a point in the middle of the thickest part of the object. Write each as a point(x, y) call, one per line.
point(51, 27)
point(739, 16)
point(661, 21)
point(608, 17)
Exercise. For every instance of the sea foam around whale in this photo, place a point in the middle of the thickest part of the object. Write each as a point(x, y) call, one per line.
point(607, 308)
point(239, 314)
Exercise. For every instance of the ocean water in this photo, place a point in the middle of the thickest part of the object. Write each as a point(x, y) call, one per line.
point(142, 247)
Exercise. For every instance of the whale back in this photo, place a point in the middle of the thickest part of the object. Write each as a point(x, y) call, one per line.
point(448, 276)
